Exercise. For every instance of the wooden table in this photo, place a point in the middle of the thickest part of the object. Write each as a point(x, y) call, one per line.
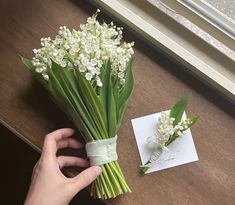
point(26, 109)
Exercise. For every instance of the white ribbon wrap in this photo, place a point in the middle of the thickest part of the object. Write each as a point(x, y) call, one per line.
point(102, 151)
point(157, 150)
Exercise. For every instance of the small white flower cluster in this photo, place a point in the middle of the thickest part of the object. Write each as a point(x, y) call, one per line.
point(166, 129)
point(86, 50)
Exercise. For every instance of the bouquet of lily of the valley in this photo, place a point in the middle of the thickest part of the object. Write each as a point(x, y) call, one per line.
point(88, 73)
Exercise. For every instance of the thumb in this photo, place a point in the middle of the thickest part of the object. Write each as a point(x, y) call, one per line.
point(86, 177)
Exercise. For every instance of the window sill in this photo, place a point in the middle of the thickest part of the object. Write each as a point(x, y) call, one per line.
point(172, 38)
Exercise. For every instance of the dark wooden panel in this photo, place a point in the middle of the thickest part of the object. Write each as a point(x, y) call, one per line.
point(18, 165)
point(26, 109)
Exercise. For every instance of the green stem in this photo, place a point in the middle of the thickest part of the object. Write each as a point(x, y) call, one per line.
point(113, 178)
point(144, 168)
point(110, 183)
point(171, 139)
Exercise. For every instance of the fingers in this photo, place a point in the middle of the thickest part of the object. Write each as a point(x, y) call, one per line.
point(50, 143)
point(70, 142)
point(61, 133)
point(85, 178)
point(68, 161)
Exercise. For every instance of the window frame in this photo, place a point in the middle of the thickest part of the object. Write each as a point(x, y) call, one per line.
point(190, 51)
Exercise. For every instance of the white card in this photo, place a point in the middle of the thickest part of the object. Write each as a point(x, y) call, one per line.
point(179, 152)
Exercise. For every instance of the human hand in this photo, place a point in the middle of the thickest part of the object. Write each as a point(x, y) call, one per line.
point(49, 185)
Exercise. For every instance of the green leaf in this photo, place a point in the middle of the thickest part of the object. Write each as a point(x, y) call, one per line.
point(108, 100)
point(125, 92)
point(65, 95)
point(116, 98)
point(128, 86)
point(105, 82)
point(93, 104)
point(28, 63)
point(178, 110)
point(112, 111)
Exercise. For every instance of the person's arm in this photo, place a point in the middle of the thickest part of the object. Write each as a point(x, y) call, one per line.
point(49, 185)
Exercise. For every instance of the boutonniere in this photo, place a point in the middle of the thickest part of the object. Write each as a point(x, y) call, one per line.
point(170, 126)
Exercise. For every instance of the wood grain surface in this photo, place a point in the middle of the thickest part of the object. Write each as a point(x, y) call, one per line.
point(26, 109)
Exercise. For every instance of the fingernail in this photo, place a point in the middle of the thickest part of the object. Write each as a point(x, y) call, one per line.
point(98, 170)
